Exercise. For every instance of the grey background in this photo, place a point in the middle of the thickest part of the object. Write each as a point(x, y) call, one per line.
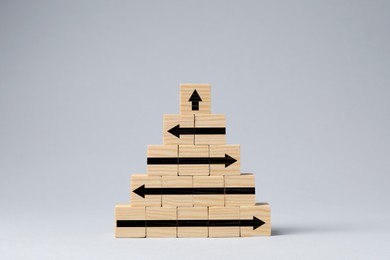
point(304, 85)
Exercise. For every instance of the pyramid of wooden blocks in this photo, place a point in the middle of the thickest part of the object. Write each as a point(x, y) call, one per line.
point(193, 186)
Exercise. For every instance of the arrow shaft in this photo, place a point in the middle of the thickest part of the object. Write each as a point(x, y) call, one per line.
point(202, 131)
point(198, 191)
point(176, 191)
point(195, 105)
point(217, 160)
point(240, 190)
point(205, 191)
point(151, 191)
point(186, 131)
point(163, 160)
point(209, 130)
point(186, 223)
point(247, 223)
point(186, 160)
point(194, 160)
point(192, 223)
point(130, 223)
point(224, 222)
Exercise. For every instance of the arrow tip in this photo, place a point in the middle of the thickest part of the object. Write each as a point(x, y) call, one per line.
point(175, 131)
point(140, 191)
point(229, 160)
point(257, 222)
point(195, 97)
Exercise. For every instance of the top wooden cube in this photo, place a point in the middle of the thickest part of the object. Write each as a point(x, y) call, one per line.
point(195, 99)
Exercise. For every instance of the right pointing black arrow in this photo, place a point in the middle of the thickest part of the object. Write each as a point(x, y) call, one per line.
point(177, 131)
point(255, 223)
point(195, 98)
point(142, 191)
point(227, 160)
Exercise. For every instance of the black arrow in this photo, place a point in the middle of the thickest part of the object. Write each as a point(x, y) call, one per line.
point(255, 223)
point(195, 98)
point(142, 191)
point(177, 131)
point(227, 160)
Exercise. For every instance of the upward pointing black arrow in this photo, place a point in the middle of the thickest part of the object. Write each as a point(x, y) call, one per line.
point(255, 223)
point(177, 131)
point(195, 98)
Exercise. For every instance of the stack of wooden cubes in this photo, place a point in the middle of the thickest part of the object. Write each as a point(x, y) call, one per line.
point(193, 186)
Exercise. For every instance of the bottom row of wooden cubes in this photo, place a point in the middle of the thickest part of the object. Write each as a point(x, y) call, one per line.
point(244, 221)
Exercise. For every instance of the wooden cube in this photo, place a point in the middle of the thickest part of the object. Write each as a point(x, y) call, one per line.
point(161, 222)
point(217, 215)
point(233, 159)
point(192, 213)
point(143, 190)
point(182, 182)
point(208, 199)
point(237, 181)
point(162, 160)
point(215, 124)
point(195, 99)
point(124, 215)
point(178, 129)
point(260, 214)
point(198, 155)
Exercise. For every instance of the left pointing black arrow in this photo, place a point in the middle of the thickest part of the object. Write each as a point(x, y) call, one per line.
point(255, 223)
point(177, 131)
point(142, 191)
point(195, 99)
point(227, 160)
